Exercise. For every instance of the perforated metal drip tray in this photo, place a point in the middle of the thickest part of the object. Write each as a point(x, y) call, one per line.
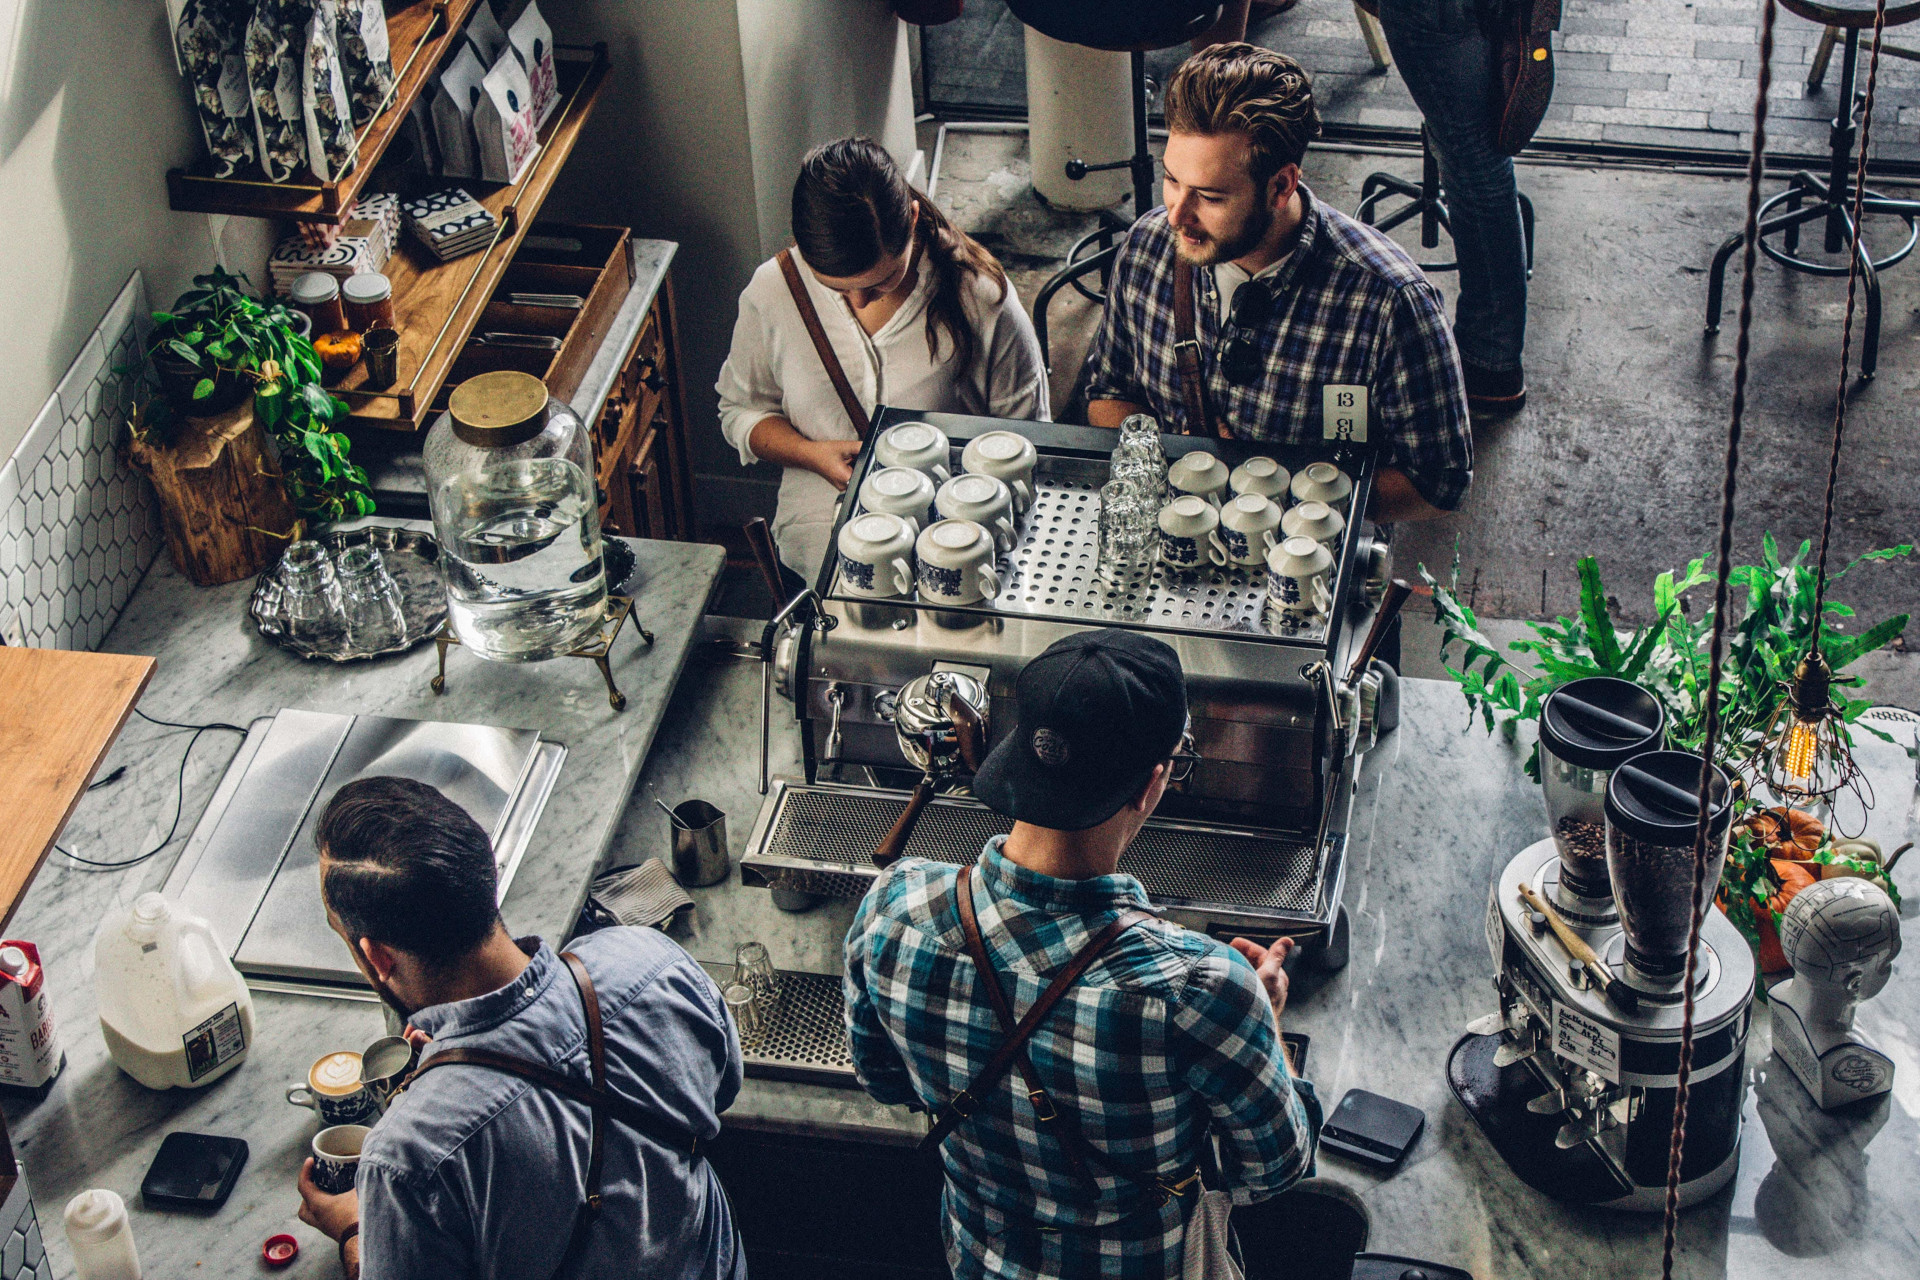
point(1052, 572)
point(806, 1038)
point(820, 839)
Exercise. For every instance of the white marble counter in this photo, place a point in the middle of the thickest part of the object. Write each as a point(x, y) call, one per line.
point(96, 1127)
point(1816, 1195)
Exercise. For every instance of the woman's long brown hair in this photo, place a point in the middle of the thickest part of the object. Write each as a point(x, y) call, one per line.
point(852, 206)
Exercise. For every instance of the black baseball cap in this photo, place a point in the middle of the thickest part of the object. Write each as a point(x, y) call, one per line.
point(1097, 711)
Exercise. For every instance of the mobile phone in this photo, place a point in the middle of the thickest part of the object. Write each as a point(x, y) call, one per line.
point(1294, 1045)
point(193, 1171)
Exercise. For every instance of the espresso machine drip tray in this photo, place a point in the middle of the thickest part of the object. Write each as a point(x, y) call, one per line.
point(251, 868)
point(805, 1037)
point(819, 839)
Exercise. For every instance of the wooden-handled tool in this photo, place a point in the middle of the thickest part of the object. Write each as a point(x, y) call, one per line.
point(1617, 991)
point(1390, 605)
point(894, 843)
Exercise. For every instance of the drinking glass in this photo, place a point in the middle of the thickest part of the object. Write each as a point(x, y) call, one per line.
point(1129, 531)
point(748, 1009)
point(753, 967)
point(310, 589)
point(371, 600)
point(1138, 457)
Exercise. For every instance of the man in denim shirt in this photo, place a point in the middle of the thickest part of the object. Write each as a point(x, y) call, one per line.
point(1169, 1039)
point(473, 1172)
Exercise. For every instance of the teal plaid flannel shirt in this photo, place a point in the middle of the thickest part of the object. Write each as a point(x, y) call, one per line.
point(1167, 1037)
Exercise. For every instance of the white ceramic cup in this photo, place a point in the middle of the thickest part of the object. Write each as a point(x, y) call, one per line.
point(900, 491)
point(919, 445)
point(1007, 456)
point(1315, 520)
point(1300, 577)
point(985, 500)
point(1200, 474)
point(1323, 482)
point(1263, 476)
point(956, 563)
point(876, 556)
point(334, 1091)
point(1190, 534)
point(336, 1157)
point(1249, 526)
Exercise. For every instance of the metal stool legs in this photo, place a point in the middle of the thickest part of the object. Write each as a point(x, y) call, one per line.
point(1427, 202)
point(1810, 198)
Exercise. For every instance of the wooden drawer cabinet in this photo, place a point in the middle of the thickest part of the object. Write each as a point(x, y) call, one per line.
point(646, 482)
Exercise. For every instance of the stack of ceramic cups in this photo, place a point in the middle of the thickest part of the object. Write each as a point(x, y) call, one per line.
point(897, 502)
point(1302, 561)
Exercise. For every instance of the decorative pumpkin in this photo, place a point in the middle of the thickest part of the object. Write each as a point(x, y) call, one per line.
point(339, 350)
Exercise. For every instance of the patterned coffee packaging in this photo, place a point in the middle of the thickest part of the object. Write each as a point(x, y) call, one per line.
point(455, 95)
point(210, 43)
point(532, 42)
point(366, 58)
point(324, 107)
point(503, 125)
point(275, 40)
point(366, 240)
point(450, 223)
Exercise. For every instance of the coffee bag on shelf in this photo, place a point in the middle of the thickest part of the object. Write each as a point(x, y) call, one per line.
point(455, 95)
point(503, 124)
point(209, 41)
point(532, 43)
point(366, 57)
point(275, 40)
point(485, 34)
point(324, 107)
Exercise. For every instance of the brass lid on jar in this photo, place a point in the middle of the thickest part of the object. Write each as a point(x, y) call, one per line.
point(499, 409)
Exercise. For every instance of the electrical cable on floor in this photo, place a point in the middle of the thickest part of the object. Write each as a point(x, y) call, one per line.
point(179, 791)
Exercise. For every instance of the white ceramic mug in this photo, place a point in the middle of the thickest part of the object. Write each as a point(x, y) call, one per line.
point(1200, 474)
point(956, 563)
point(1263, 476)
point(876, 556)
point(919, 445)
point(982, 499)
point(336, 1157)
point(1190, 534)
point(1315, 520)
point(1249, 526)
point(1323, 482)
point(334, 1091)
point(1008, 457)
point(1299, 577)
point(900, 491)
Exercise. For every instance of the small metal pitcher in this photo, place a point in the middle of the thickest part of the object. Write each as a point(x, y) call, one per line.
point(699, 843)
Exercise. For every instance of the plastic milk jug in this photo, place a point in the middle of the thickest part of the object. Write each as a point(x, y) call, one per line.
point(172, 1007)
point(30, 1052)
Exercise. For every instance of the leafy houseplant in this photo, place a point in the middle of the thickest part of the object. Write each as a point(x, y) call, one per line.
point(218, 345)
point(1669, 658)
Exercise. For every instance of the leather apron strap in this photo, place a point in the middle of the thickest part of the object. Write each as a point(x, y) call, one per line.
point(816, 331)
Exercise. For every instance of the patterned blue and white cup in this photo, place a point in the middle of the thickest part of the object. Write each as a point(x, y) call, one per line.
point(1200, 474)
point(900, 491)
point(876, 556)
point(336, 1157)
point(1300, 577)
point(1190, 535)
point(956, 563)
point(983, 499)
point(1323, 482)
point(1315, 520)
point(919, 445)
point(1249, 525)
point(334, 1090)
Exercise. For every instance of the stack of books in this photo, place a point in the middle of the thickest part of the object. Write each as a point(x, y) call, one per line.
point(366, 240)
point(450, 223)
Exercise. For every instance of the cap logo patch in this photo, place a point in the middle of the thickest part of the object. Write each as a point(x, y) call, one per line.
point(1050, 747)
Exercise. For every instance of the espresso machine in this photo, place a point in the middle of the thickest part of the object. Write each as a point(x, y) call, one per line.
point(1573, 1078)
point(1253, 844)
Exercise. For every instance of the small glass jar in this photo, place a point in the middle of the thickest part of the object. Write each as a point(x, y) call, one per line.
point(318, 294)
point(311, 591)
point(371, 599)
point(368, 298)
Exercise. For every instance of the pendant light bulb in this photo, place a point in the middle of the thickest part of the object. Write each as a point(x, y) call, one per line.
point(1805, 755)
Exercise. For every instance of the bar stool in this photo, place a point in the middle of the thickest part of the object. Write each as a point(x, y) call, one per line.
point(1808, 197)
point(1428, 202)
point(1133, 27)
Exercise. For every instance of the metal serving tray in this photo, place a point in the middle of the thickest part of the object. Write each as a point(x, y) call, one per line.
point(819, 839)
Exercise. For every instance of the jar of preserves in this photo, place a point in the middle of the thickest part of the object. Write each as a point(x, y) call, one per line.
point(368, 297)
point(510, 483)
point(318, 294)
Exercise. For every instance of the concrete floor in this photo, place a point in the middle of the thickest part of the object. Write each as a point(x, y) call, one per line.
point(1620, 451)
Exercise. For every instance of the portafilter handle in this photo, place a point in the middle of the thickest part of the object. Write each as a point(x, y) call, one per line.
point(894, 843)
point(1390, 606)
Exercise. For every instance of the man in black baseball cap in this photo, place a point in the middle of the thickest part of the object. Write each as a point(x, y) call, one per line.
point(1076, 1154)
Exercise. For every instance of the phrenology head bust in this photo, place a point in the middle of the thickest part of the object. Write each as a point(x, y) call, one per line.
point(1843, 933)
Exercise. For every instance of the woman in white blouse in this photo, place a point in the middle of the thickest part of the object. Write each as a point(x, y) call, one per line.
point(918, 314)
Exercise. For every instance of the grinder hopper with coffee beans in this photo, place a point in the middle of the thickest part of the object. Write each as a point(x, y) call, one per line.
point(1573, 1078)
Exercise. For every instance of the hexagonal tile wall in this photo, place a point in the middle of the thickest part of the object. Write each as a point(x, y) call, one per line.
point(78, 527)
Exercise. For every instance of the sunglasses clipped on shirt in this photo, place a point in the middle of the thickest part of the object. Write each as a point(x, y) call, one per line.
point(1239, 352)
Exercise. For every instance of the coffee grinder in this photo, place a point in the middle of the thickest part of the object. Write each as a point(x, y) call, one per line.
point(1573, 1080)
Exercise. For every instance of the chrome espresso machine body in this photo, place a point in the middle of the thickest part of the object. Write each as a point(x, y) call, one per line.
point(1252, 844)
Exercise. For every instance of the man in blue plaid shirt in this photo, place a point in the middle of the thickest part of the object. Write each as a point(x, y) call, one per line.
point(1288, 295)
point(1168, 1039)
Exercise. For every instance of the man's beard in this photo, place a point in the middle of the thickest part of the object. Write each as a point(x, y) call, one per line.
point(1238, 245)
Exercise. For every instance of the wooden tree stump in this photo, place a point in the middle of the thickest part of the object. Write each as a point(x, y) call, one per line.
point(223, 505)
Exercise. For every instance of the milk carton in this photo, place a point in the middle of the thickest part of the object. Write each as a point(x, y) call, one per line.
point(30, 1052)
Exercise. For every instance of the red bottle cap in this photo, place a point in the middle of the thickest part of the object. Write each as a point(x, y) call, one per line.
point(280, 1250)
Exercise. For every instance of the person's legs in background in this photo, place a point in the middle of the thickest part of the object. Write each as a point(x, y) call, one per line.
point(1447, 61)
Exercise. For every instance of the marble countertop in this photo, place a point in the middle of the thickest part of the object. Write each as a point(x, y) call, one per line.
point(1443, 806)
point(96, 1127)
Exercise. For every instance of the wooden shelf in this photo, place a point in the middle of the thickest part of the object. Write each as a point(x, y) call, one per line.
point(437, 304)
point(420, 34)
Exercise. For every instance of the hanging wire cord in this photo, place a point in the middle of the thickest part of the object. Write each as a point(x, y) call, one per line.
point(179, 792)
point(1756, 166)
